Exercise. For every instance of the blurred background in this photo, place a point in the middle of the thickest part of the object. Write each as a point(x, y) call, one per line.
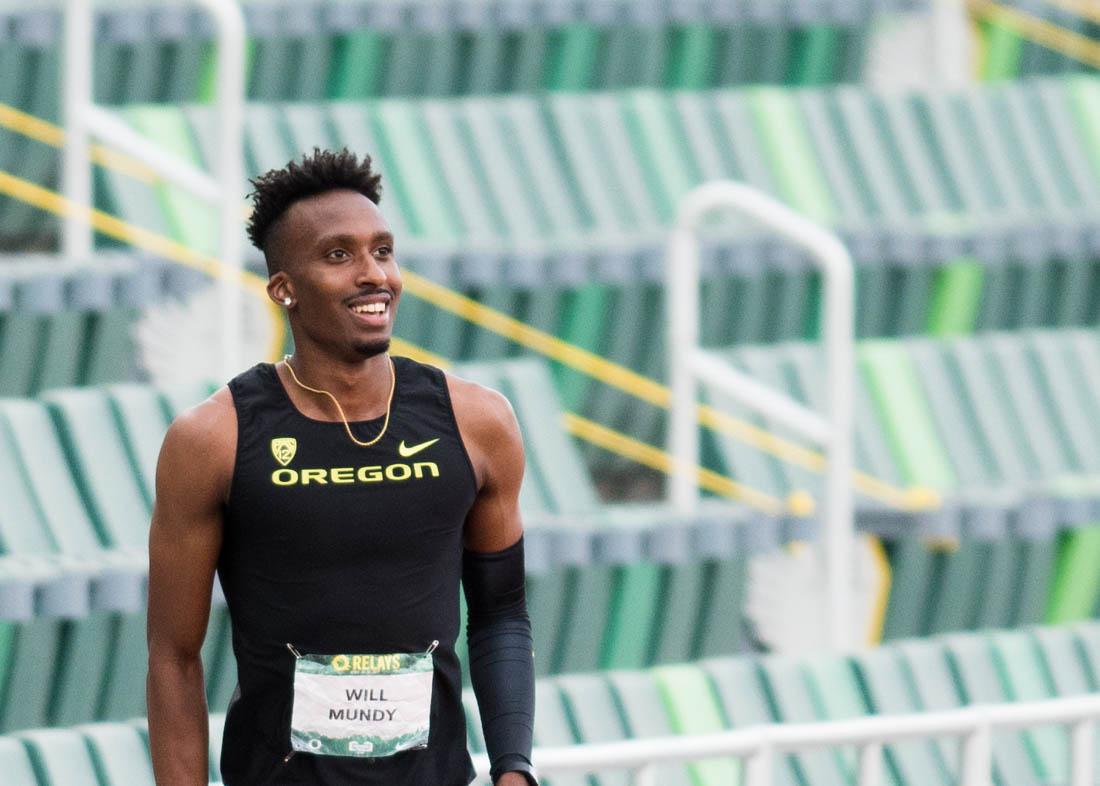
point(535, 155)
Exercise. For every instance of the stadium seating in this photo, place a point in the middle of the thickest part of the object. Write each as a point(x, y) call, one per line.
point(564, 230)
point(614, 586)
point(996, 424)
point(917, 177)
point(365, 48)
point(535, 153)
point(714, 694)
point(65, 323)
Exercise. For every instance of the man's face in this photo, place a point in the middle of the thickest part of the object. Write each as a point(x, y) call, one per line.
point(338, 266)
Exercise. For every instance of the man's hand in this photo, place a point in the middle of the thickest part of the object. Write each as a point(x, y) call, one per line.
point(512, 779)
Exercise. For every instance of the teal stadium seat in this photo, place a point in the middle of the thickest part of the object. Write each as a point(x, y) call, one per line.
point(890, 691)
point(15, 762)
point(119, 753)
point(739, 685)
point(60, 757)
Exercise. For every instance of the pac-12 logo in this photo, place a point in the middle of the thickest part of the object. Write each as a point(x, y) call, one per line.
point(283, 449)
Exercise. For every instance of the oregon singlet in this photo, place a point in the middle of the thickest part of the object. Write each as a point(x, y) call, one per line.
point(335, 548)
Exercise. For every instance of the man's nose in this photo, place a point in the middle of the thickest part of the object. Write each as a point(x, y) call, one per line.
point(370, 272)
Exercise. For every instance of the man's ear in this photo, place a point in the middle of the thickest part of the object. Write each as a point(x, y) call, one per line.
point(280, 289)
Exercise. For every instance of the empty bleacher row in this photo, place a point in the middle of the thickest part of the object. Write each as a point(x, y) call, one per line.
point(610, 586)
point(552, 209)
point(65, 323)
point(1004, 172)
point(162, 52)
point(1000, 172)
point(974, 210)
point(711, 695)
point(905, 677)
point(1001, 426)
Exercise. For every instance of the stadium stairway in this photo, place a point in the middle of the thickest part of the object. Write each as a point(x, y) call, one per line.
point(711, 695)
point(611, 586)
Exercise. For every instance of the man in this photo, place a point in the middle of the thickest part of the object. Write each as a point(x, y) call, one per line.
point(340, 495)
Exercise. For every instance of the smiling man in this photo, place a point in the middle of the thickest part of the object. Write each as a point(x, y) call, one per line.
point(341, 496)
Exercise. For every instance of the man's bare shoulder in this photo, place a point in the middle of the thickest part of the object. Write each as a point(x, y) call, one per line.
point(207, 422)
point(202, 440)
point(482, 411)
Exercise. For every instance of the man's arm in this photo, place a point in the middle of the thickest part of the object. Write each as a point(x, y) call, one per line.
point(193, 475)
point(499, 630)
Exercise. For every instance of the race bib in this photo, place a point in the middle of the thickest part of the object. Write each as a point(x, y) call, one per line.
point(361, 705)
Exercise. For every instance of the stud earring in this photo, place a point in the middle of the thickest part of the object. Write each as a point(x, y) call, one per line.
point(286, 301)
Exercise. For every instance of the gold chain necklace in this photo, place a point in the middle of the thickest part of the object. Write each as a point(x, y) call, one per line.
point(343, 417)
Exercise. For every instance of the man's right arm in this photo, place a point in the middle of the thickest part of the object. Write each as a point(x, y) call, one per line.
point(193, 476)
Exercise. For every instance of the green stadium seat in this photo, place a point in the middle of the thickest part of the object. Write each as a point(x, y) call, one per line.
point(15, 762)
point(644, 715)
point(33, 698)
point(925, 666)
point(788, 694)
point(591, 706)
point(67, 322)
point(693, 708)
point(1088, 638)
point(835, 693)
point(1025, 676)
point(103, 470)
point(61, 757)
point(553, 727)
point(119, 753)
point(738, 683)
point(142, 419)
point(192, 221)
point(1062, 655)
point(888, 691)
point(971, 659)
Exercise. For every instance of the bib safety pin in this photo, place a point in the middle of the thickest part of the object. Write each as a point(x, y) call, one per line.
point(432, 646)
point(293, 651)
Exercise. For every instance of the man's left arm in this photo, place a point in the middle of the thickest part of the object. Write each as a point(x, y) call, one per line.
point(498, 629)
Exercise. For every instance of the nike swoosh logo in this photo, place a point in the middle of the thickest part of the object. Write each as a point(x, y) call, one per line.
point(406, 452)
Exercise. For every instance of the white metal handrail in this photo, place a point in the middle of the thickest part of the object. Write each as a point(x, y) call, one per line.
point(758, 746)
point(690, 365)
point(221, 186)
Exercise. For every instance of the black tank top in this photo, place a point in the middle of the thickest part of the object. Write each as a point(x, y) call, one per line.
point(337, 548)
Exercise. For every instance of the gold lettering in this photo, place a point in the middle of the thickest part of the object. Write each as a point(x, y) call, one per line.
point(342, 475)
point(369, 474)
point(432, 467)
point(284, 477)
point(314, 475)
point(398, 472)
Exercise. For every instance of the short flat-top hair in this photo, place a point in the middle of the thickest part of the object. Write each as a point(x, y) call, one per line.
point(325, 170)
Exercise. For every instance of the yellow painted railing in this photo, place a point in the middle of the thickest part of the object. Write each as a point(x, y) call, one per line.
point(1044, 32)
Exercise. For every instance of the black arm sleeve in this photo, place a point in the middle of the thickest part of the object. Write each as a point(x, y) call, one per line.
point(502, 666)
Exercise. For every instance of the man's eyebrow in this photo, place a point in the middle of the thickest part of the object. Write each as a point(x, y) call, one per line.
point(346, 239)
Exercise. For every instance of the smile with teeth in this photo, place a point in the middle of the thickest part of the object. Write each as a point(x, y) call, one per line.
point(370, 308)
